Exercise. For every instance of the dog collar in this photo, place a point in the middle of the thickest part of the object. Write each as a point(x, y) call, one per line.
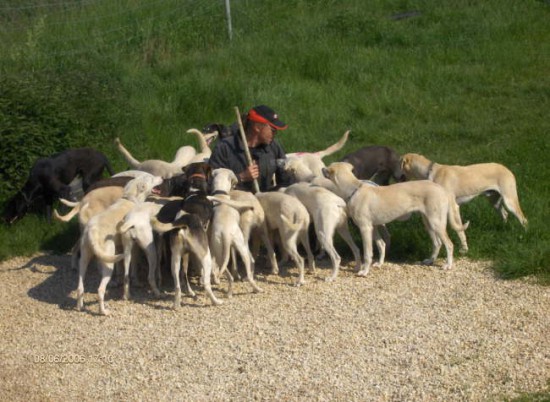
point(220, 192)
point(199, 175)
point(353, 193)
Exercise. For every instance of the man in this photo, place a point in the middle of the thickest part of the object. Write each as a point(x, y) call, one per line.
point(260, 126)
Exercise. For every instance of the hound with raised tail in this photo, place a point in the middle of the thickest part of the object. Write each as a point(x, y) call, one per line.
point(314, 160)
point(184, 156)
point(369, 206)
point(101, 237)
point(288, 218)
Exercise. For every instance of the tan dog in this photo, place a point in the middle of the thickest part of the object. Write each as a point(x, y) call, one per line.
point(369, 206)
point(467, 182)
point(100, 237)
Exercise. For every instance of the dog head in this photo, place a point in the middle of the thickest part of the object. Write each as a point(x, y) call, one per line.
point(198, 176)
point(338, 171)
point(19, 204)
point(141, 187)
point(296, 168)
point(223, 180)
point(223, 131)
point(414, 166)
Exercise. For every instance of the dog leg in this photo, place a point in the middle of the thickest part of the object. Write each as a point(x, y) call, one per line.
point(175, 267)
point(106, 274)
point(185, 269)
point(270, 250)
point(85, 258)
point(343, 231)
point(206, 262)
point(234, 268)
point(229, 284)
point(127, 244)
point(242, 249)
point(436, 243)
point(380, 245)
point(442, 234)
point(366, 236)
point(304, 239)
point(151, 255)
point(328, 246)
point(289, 246)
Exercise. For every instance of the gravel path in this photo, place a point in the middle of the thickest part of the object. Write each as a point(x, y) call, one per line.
point(403, 333)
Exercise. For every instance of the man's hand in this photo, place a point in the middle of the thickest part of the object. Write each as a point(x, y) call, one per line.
point(250, 173)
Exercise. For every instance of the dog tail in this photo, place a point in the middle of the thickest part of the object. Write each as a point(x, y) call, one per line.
point(71, 214)
point(109, 167)
point(292, 224)
point(334, 147)
point(162, 227)
point(454, 216)
point(202, 138)
point(129, 158)
point(98, 250)
point(240, 206)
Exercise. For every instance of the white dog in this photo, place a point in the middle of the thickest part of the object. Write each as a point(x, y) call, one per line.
point(100, 237)
point(225, 231)
point(289, 218)
point(369, 206)
point(329, 214)
point(314, 160)
point(184, 156)
point(467, 182)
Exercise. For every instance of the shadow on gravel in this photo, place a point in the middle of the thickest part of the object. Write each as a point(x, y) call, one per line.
point(57, 284)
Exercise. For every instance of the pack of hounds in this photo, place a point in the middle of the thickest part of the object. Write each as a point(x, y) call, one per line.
point(183, 211)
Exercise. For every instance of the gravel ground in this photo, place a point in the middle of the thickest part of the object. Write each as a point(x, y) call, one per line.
point(403, 333)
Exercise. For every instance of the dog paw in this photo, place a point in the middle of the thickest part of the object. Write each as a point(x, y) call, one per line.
point(363, 272)
point(105, 312)
point(463, 250)
point(330, 279)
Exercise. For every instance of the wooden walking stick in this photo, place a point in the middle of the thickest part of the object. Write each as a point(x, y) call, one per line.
point(245, 145)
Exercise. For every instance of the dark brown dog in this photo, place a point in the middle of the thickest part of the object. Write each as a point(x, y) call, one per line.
point(376, 163)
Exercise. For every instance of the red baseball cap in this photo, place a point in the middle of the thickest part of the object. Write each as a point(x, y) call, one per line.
point(264, 114)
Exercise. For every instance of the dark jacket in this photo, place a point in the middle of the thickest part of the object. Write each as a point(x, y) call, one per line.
point(229, 153)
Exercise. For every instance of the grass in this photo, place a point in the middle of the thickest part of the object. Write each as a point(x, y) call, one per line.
point(462, 82)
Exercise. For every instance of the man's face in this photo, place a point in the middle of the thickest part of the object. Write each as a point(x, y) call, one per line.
point(266, 133)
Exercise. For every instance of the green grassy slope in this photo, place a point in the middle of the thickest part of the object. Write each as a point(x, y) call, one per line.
point(460, 82)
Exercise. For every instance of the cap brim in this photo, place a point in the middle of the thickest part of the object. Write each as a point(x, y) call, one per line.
point(278, 124)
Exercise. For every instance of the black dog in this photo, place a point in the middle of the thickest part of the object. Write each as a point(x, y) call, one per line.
point(223, 131)
point(194, 196)
point(194, 203)
point(376, 163)
point(49, 179)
